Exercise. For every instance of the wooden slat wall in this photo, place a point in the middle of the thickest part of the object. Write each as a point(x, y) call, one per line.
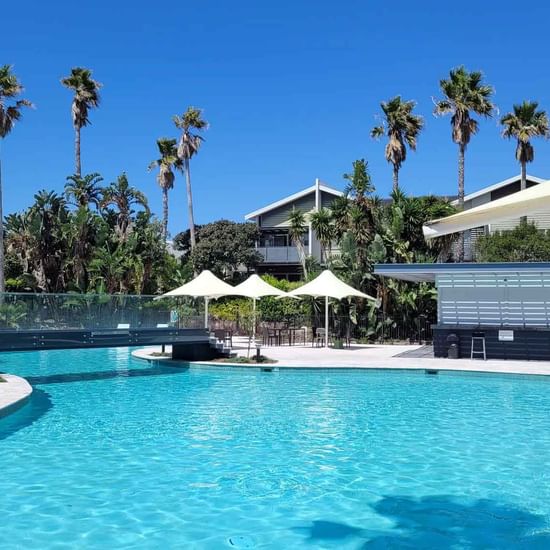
point(507, 299)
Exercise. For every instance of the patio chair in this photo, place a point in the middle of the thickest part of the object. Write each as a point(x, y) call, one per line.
point(319, 337)
point(269, 337)
point(224, 336)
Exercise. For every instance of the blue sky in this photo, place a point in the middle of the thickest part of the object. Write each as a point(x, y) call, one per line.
point(291, 90)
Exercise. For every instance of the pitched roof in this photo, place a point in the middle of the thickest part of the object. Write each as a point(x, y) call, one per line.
point(322, 187)
point(496, 186)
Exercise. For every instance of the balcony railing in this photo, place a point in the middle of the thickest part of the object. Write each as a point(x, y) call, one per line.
point(279, 254)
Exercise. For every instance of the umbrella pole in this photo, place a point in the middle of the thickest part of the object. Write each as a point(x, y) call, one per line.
point(326, 321)
point(254, 320)
point(206, 312)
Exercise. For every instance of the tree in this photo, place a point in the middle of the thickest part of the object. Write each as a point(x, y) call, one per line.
point(86, 97)
point(464, 94)
point(166, 163)
point(84, 190)
point(402, 128)
point(524, 123)
point(10, 113)
point(190, 123)
point(321, 223)
point(224, 247)
point(124, 197)
point(524, 243)
point(297, 228)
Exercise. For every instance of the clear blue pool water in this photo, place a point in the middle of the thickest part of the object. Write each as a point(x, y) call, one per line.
point(114, 453)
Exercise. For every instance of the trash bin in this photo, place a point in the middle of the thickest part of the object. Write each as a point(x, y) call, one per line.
point(452, 342)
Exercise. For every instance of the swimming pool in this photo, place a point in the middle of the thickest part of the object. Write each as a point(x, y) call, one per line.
point(112, 452)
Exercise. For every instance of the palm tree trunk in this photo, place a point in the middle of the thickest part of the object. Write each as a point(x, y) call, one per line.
point(395, 178)
point(460, 242)
point(2, 283)
point(165, 213)
point(77, 150)
point(523, 175)
point(190, 204)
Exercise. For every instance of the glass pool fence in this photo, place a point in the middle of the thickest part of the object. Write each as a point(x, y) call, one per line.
point(25, 311)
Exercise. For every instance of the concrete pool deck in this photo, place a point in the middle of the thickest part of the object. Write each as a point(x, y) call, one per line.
point(14, 392)
point(374, 356)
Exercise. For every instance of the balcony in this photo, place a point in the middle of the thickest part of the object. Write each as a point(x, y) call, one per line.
point(279, 254)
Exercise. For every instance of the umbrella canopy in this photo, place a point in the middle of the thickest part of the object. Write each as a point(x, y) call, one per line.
point(205, 285)
point(518, 204)
point(255, 287)
point(329, 286)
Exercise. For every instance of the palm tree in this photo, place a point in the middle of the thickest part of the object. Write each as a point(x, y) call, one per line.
point(523, 124)
point(84, 190)
point(10, 113)
point(188, 146)
point(321, 223)
point(86, 97)
point(464, 94)
point(122, 195)
point(297, 228)
point(165, 178)
point(402, 128)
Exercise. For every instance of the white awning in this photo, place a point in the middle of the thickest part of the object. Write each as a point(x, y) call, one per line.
point(518, 204)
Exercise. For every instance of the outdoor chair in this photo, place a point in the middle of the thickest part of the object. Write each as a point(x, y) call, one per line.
point(225, 336)
point(269, 337)
point(319, 337)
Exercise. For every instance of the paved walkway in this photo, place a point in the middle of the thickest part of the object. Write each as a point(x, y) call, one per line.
point(373, 357)
point(14, 391)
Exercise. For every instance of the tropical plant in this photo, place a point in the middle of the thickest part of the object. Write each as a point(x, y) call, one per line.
point(166, 163)
point(297, 229)
point(321, 223)
point(464, 94)
point(10, 112)
point(190, 123)
point(84, 190)
point(86, 97)
point(523, 124)
point(402, 128)
point(124, 197)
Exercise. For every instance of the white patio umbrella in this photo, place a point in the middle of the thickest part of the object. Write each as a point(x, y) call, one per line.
point(329, 286)
point(522, 203)
point(205, 285)
point(255, 287)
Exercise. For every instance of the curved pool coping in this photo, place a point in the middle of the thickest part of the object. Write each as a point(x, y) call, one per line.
point(14, 393)
point(538, 368)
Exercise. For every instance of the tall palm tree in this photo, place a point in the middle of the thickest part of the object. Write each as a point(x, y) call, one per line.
point(464, 94)
point(86, 97)
point(524, 123)
point(402, 128)
point(124, 197)
point(165, 178)
point(84, 190)
point(190, 123)
point(10, 113)
point(321, 223)
point(297, 228)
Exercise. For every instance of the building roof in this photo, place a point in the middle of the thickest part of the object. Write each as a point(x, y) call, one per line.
point(496, 186)
point(427, 272)
point(322, 187)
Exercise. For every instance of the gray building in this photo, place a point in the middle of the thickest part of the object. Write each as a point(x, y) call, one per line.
point(492, 193)
point(280, 256)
